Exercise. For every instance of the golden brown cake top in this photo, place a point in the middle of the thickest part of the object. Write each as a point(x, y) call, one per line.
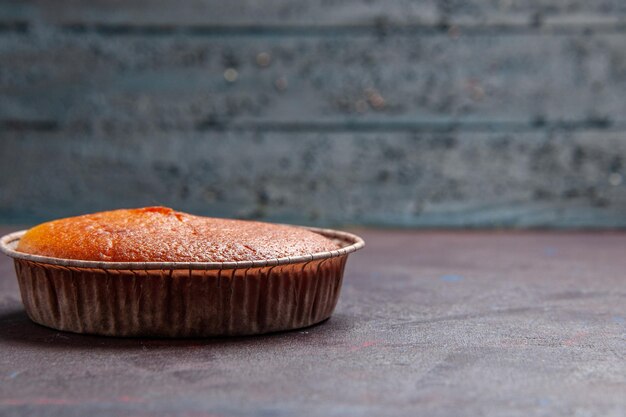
point(160, 234)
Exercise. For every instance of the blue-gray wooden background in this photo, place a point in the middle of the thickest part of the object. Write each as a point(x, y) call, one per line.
point(435, 113)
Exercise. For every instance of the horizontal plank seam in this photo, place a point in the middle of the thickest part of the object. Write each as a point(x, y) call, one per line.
point(375, 29)
point(29, 125)
point(14, 26)
point(595, 124)
point(349, 126)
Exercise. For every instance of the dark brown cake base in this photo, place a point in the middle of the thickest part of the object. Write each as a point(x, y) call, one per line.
point(180, 303)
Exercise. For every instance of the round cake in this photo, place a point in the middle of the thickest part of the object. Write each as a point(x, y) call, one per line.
point(160, 234)
point(158, 272)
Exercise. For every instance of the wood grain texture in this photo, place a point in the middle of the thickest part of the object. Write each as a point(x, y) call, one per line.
point(453, 179)
point(178, 82)
point(436, 113)
point(437, 324)
point(317, 12)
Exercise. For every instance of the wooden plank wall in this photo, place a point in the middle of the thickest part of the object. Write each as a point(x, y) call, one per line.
point(431, 114)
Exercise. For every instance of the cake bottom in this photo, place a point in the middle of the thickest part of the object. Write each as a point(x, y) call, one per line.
point(180, 302)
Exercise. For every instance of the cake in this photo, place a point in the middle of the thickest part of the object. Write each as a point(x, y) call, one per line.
point(158, 272)
point(160, 234)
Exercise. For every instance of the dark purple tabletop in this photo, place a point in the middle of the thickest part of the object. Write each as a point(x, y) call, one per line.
point(428, 323)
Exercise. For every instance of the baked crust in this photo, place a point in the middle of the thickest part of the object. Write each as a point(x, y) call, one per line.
point(160, 234)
